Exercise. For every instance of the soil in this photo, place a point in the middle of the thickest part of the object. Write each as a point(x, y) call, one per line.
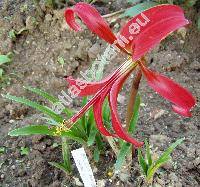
point(35, 63)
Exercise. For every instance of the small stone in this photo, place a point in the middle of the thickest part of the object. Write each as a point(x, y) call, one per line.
point(77, 182)
point(67, 45)
point(124, 176)
point(191, 152)
point(31, 23)
point(159, 139)
point(121, 99)
point(48, 17)
point(37, 138)
point(21, 172)
point(196, 161)
point(168, 165)
point(13, 167)
point(157, 113)
point(40, 147)
point(94, 51)
point(2, 176)
point(101, 183)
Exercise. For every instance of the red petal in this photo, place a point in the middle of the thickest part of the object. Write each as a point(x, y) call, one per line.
point(150, 27)
point(87, 88)
point(97, 108)
point(91, 17)
point(117, 126)
point(181, 98)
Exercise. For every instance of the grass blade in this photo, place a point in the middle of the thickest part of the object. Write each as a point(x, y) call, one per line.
point(66, 154)
point(148, 153)
point(60, 166)
point(44, 109)
point(32, 130)
point(137, 9)
point(142, 162)
point(42, 93)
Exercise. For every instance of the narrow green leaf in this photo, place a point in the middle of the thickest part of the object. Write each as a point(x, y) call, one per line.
point(66, 154)
point(169, 151)
point(135, 116)
point(137, 9)
point(134, 1)
point(148, 153)
point(163, 158)
point(32, 130)
point(37, 106)
point(92, 136)
point(60, 166)
point(42, 93)
point(142, 162)
point(4, 59)
point(125, 149)
point(96, 154)
point(198, 23)
point(1, 72)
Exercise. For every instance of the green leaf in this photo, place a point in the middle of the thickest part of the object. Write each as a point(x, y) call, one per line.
point(2, 150)
point(44, 130)
point(60, 166)
point(96, 154)
point(134, 1)
point(92, 136)
point(198, 23)
point(24, 151)
point(142, 162)
point(137, 9)
point(37, 106)
point(12, 34)
point(148, 153)
point(61, 61)
point(125, 149)
point(135, 116)
point(1, 72)
point(66, 154)
point(4, 59)
point(32, 130)
point(163, 158)
point(42, 93)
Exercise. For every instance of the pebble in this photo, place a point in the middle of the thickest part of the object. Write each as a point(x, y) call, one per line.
point(2, 176)
point(94, 51)
point(196, 161)
point(191, 152)
point(101, 183)
point(77, 182)
point(48, 17)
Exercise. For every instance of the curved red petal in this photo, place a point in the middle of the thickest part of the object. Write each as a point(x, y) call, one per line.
point(117, 126)
point(147, 29)
point(91, 17)
point(87, 88)
point(97, 108)
point(181, 98)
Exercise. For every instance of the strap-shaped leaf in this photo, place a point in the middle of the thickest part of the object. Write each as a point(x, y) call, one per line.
point(142, 162)
point(42, 93)
point(163, 158)
point(148, 153)
point(126, 147)
point(137, 9)
point(32, 130)
point(37, 106)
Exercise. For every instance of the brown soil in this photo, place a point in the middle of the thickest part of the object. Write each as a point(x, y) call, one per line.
point(36, 52)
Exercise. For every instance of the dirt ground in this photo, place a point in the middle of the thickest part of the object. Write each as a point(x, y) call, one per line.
point(35, 56)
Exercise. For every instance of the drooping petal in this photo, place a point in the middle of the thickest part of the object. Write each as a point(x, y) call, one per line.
point(87, 88)
point(97, 108)
point(117, 126)
point(181, 98)
point(147, 29)
point(91, 17)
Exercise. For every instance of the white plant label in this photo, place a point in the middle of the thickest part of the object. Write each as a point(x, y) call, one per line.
point(84, 168)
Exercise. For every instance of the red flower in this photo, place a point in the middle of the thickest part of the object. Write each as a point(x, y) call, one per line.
point(136, 38)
